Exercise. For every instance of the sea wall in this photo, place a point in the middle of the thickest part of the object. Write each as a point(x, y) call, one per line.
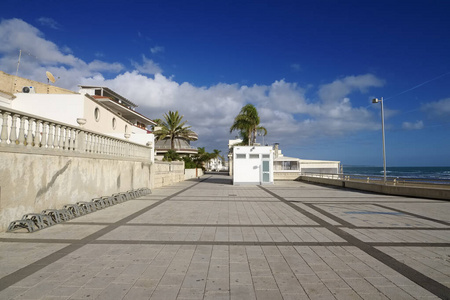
point(409, 191)
point(34, 182)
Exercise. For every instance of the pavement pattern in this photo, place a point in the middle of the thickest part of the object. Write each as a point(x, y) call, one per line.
point(208, 239)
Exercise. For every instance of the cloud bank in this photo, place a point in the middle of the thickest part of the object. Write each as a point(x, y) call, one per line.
point(291, 117)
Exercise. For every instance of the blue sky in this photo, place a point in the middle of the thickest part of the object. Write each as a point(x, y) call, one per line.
point(310, 67)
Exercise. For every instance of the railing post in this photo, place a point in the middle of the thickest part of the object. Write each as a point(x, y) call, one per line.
point(37, 134)
point(51, 137)
point(57, 136)
point(4, 135)
point(13, 134)
point(22, 131)
point(67, 141)
point(30, 133)
point(44, 139)
point(62, 136)
point(81, 141)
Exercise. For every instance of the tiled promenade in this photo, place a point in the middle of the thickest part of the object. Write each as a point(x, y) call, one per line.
point(210, 240)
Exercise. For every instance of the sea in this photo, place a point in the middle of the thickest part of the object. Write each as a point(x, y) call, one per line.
point(420, 173)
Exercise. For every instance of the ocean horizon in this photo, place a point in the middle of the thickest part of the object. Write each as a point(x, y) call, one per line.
point(440, 173)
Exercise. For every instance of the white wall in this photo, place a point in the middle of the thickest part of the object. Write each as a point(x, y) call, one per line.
point(248, 170)
point(65, 108)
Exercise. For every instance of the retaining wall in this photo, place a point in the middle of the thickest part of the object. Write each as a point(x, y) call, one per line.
point(167, 173)
point(409, 191)
point(192, 173)
point(33, 182)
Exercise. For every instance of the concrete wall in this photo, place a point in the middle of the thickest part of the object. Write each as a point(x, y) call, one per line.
point(167, 173)
point(13, 84)
point(285, 175)
point(409, 191)
point(32, 182)
point(192, 173)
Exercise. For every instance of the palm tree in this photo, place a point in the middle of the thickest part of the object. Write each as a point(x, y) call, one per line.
point(173, 127)
point(247, 123)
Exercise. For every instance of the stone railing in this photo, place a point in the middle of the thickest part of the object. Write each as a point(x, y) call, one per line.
point(21, 132)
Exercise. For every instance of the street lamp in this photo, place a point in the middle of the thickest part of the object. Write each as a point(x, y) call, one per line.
point(376, 100)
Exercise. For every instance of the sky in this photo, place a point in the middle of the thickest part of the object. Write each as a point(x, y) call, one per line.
point(311, 68)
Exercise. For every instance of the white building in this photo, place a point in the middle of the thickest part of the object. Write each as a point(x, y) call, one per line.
point(290, 168)
point(96, 109)
point(252, 165)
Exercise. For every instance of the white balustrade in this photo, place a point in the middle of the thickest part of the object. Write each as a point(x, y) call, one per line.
point(31, 133)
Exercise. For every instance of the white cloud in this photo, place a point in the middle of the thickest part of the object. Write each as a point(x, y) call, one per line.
point(412, 126)
point(40, 55)
point(156, 49)
point(340, 88)
point(49, 22)
point(148, 66)
point(440, 109)
point(289, 116)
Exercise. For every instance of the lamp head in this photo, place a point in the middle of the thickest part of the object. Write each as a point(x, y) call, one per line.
point(375, 100)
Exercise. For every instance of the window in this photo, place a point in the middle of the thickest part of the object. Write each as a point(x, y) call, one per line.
point(240, 156)
point(126, 128)
point(114, 123)
point(266, 156)
point(254, 156)
point(97, 114)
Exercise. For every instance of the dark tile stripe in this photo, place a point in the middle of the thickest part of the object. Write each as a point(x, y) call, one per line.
point(26, 271)
point(424, 281)
point(219, 243)
point(413, 215)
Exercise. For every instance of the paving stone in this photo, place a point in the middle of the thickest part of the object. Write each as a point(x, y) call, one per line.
point(205, 244)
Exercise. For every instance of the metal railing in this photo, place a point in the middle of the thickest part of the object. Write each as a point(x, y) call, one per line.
point(390, 180)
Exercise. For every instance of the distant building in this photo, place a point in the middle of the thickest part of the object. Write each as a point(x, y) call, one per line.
point(290, 168)
point(182, 146)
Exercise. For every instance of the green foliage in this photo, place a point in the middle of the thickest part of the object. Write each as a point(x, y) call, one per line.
point(189, 163)
point(173, 127)
point(247, 123)
point(171, 155)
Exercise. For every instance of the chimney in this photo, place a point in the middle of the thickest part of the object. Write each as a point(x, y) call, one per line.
point(275, 150)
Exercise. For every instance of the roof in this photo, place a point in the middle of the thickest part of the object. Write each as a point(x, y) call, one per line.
point(285, 158)
point(111, 92)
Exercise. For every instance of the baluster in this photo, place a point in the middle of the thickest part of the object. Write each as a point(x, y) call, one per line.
point(97, 144)
point(37, 134)
point(88, 142)
point(101, 144)
point(30, 133)
point(51, 136)
point(13, 133)
point(71, 139)
point(57, 136)
point(67, 141)
point(94, 143)
point(4, 135)
point(74, 136)
point(61, 137)
point(44, 138)
point(22, 131)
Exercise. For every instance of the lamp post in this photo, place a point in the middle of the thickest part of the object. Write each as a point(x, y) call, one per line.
point(376, 100)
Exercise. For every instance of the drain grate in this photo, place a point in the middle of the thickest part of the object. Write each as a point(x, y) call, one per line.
point(232, 195)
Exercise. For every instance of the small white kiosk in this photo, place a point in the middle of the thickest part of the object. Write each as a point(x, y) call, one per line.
point(252, 165)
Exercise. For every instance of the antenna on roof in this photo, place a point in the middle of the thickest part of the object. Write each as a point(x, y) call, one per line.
point(50, 77)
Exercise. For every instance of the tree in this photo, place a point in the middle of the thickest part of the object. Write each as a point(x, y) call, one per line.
point(173, 127)
point(171, 155)
point(247, 123)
